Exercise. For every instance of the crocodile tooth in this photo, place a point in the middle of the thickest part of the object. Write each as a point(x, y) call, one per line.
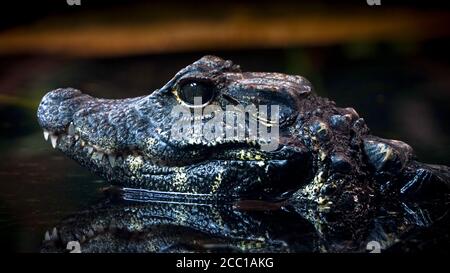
point(54, 234)
point(90, 149)
point(77, 137)
point(90, 233)
point(46, 133)
point(71, 130)
point(112, 159)
point(100, 149)
point(53, 139)
point(119, 158)
point(47, 236)
point(97, 155)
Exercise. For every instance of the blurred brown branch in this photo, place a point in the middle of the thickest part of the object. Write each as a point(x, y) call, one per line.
point(233, 29)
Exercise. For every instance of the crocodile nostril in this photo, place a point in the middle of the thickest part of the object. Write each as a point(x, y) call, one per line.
point(62, 94)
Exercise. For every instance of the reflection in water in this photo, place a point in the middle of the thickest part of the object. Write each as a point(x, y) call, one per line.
point(115, 225)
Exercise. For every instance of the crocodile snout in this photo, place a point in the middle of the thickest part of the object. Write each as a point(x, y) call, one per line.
point(57, 108)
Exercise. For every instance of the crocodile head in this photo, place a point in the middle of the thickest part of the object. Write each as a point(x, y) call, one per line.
point(131, 142)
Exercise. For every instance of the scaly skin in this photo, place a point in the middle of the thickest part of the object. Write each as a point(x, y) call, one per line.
point(326, 159)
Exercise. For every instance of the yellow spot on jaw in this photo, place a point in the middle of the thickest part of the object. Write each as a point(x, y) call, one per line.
point(319, 178)
point(217, 181)
point(314, 187)
point(151, 141)
point(135, 162)
point(322, 126)
point(242, 155)
point(179, 179)
point(321, 201)
point(250, 155)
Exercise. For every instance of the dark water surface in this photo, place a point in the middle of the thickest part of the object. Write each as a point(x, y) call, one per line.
point(401, 90)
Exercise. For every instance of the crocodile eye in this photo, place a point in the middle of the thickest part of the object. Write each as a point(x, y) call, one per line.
point(190, 92)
